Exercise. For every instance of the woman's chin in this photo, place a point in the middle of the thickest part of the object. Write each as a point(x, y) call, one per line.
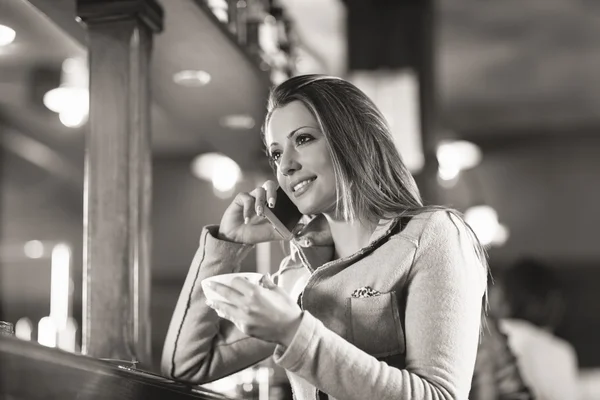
point(307, 209)
point(314, 209)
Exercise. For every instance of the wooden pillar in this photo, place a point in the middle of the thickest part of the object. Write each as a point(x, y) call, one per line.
point(425, 65)
point(118, 178)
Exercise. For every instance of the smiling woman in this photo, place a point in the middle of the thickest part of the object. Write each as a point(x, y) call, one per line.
point(300, 152)
point(381, 296)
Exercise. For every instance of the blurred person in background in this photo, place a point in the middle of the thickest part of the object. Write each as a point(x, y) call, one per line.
point(497, 374)
point(530, 303)
point(390, 308)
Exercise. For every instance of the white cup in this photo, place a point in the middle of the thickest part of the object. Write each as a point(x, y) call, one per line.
point(225, 279)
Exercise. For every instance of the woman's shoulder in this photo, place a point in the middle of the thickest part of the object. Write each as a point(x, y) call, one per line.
point(447, 245)
point(435, 223)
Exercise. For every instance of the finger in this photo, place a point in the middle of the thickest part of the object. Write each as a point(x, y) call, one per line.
point(271, 192)
point(297, 231)
point(260, 195)
point(223, 309)
point(304, 241)
point(227, 292)
point(243, 286)
point(315, 232)
point(247, 203)
point(267, 282)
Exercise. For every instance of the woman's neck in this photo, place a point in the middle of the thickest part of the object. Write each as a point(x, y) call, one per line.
point(349, 237)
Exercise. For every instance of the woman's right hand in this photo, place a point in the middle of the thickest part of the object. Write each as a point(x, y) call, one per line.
point(244, 221)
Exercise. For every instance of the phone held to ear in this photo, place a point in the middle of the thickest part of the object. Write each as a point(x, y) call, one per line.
point(284, 216)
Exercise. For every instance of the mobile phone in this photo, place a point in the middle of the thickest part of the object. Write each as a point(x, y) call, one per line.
point(284, 216)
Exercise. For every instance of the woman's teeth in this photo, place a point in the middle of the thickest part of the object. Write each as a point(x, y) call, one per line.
point(302, 184)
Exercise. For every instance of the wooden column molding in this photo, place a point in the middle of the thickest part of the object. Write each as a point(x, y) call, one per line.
point(118, 178)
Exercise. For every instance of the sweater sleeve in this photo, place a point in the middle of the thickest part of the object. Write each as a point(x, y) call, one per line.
point(201, 347)
point(445, 290)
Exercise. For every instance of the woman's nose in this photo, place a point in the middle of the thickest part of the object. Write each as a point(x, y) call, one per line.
point(289, 163)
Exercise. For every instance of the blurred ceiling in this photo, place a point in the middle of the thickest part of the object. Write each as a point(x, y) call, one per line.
point(519, 64)
point(503, 67)
point(185, 120)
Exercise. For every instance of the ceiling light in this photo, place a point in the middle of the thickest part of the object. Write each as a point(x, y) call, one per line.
point(238, 121)
point(191, 78)
point(71, 100)
point(7, 35)
point(73, 118)
point(64, 98)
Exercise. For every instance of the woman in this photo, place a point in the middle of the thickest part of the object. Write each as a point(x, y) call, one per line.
point(389, 309)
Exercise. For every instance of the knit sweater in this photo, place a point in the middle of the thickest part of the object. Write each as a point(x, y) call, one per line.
point(399, 319)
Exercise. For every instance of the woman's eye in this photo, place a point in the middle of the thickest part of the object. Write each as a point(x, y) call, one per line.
point(275, 155)
point(301, 139)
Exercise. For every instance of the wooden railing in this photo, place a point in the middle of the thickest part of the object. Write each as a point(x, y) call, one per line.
point(31, 371)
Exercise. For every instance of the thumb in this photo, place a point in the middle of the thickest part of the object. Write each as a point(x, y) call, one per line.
point(267, 282)
point(315, 232)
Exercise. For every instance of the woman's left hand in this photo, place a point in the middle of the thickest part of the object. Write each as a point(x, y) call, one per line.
point(263, 311)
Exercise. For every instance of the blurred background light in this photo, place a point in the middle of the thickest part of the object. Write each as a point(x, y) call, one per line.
point(501, 236)
point(448, 173)
point(60, 285)
point(47, 332)
point(192, 78)
point(484, 221)
point(71, 100)
point(396, 94)
point(24, 328)
point(237, 121)
point(219, 9)
point(458, 155)
point(223, 172)
point(34, 249)
point(7, 35)
point(73, 117)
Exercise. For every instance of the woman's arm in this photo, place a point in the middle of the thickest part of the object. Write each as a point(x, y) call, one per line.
point(201, 347)
point(446, 286)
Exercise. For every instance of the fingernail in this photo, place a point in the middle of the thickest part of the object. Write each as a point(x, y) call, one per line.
point(246, 220)
point(259, 211)
point(271, 202)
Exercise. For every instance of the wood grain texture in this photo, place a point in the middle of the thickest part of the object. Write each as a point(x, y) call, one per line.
point(118, 176)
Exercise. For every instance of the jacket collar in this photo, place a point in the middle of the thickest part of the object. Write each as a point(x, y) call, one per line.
point(314, 256)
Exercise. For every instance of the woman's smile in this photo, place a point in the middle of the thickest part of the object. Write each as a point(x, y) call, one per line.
point(302, 187)
point(300, 152)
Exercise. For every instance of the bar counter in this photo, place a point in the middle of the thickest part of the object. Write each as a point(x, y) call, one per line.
point(29, 371)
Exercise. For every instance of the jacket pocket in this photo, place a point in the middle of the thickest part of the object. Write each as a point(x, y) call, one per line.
point(375, 325)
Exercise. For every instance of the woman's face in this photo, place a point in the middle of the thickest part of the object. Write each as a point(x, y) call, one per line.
point(301, 154)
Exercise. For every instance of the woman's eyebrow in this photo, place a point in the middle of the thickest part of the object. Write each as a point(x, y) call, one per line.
point(289, 135)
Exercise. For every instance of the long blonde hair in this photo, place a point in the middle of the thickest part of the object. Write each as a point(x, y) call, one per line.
point(372, 181)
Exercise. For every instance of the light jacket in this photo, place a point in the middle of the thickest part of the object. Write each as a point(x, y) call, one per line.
point(350, 343)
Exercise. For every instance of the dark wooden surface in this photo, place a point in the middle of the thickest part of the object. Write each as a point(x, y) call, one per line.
point(31, 371)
